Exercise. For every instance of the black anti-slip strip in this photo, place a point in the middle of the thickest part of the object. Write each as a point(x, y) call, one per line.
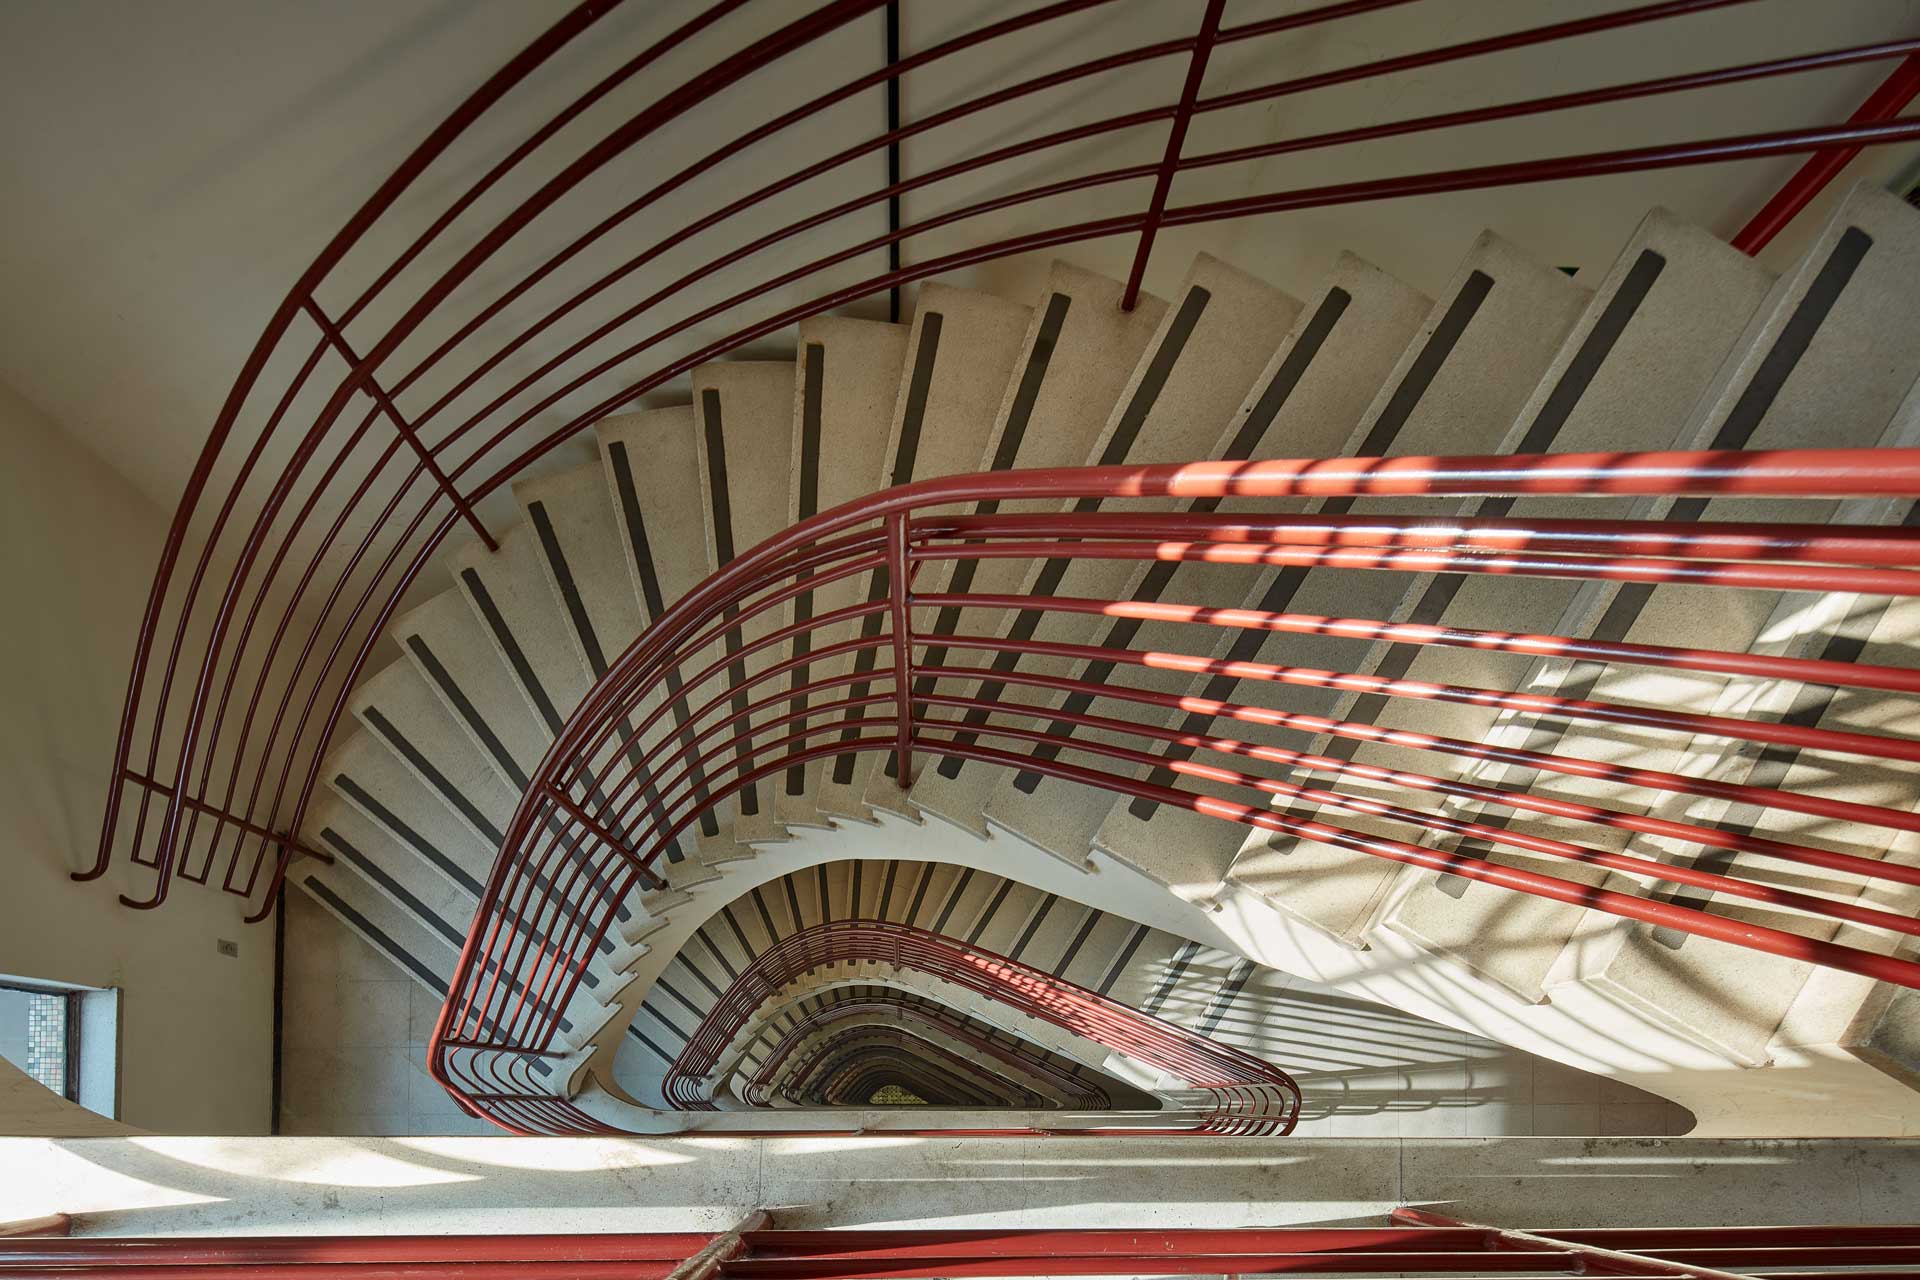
point(766, 917)
point(794, 917)
point(1630, 601)
point(1005, 452)
point(434, 778)
point(913, 417)
point(993, 909)
point(925, 873)
point(516, 656)
point(747, 948)
point(1152, 382)
point(722, 505)
point(569, 590)
point(814, 373)
point(953, 898)
point(886, 890)
point(1033, 925)
point(399, 954)
point(1087, 926)
point(655, 601)
point(1124, 958)
point(463, 706)
point(576, 608)
point(1121, 633)
point(1229, 992)
point(1181, 960)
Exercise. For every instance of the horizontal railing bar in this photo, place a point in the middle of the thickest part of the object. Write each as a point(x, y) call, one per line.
point(1577, 811)
point(1847, 742)
point(1736, 574)
point(1644, 868)
point(251, 828)
point(1455, 52)
point(1555, 102)
point(1882, 545)
point(1852, 675)
point(1752, 146)
point(1671, 915)
point(1572, 766)
point(379, 394)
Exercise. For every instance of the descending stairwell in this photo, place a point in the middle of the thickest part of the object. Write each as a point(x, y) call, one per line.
point(1684, 344)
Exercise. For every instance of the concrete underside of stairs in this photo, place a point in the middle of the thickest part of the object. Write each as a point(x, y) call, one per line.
point(1804, 1093)
point(319, 1186)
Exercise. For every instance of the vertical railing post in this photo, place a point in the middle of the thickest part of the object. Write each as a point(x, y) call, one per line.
point(1176, 141)
point(898, 613)
point(1812, 177)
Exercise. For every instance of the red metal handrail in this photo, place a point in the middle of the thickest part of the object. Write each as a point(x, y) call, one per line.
point(900, 1007)
point(1418, 1240)
point(241, 672)
point(671, 756)
point(1244, 1095)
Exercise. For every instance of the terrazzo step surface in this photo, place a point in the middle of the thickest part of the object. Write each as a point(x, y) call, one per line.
point(1456, 389)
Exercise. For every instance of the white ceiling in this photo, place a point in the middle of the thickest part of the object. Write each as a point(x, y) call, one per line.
point(170, 168)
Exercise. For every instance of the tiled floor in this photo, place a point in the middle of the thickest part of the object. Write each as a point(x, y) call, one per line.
point(353, 1038)
point(354, 1031)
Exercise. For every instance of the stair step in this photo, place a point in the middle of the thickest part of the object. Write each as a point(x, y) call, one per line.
point(960, 357)
point(1079, 353)
point(743, 415)
point(1209, 348)
point(507, 590)
point(1456, 389)
point(451, 650)
point(652, 465)
point(1307, 403)
point(1660, 328)
point(1825, 363)
point(847, 377)
point(422, 940)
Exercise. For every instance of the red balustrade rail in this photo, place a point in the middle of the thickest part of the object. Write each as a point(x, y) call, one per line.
point(1242, 1094)
point(390, 396)
point(885, 1007)
point(693, 712)
point(1420, 1241)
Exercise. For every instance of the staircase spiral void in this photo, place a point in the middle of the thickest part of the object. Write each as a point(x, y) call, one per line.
point(769, 674)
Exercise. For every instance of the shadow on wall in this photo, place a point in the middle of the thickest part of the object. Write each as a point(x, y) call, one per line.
point(164, 1186)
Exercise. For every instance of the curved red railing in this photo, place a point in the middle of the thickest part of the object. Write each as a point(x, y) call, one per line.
point(1234, 1092)
point(897, 1009)
point(391, 396)
point(308, 516)
point(681, 730)
point(1417, 1241)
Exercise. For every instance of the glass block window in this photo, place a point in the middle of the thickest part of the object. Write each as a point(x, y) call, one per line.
point(36, 1032)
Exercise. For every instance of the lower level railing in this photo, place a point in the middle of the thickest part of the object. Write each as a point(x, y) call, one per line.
point(745, 679)
point(1232, 1092)
point(1419, 1242)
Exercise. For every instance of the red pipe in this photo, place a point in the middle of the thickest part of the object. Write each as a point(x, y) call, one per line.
point(1822, 167)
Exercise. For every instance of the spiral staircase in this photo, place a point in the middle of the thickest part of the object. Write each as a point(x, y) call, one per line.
point(1012, 705)
point(1513, 359)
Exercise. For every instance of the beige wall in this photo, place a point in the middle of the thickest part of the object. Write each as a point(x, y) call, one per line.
point(77, 544)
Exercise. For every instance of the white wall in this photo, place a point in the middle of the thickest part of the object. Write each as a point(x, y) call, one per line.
point(77, 545)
